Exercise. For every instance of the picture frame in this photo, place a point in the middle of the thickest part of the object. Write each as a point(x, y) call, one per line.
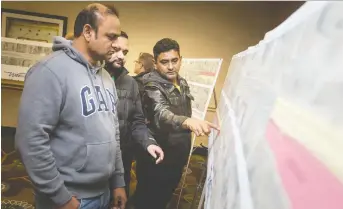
point(11, 84)
point(26, 37)
point(32, 26)
point(17, 56)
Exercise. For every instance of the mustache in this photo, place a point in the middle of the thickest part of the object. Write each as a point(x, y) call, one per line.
point(121, 61)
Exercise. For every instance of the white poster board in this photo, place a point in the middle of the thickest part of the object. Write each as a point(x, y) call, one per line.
point(201, 75)
point(17, 56)
point(282, 119)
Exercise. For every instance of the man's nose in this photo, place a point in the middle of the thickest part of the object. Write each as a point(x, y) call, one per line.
point(170, 66)
point(121, 55)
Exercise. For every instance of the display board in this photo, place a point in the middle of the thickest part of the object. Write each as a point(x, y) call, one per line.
point(17, 56)
point(201, 75)
point(281, 118)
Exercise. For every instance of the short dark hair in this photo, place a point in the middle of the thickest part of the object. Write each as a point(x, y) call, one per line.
point(147, 61)
point(124, 35)
point(89, 15)
point(164, 45)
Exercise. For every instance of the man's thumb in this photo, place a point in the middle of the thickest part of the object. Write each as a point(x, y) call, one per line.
point(153, 154)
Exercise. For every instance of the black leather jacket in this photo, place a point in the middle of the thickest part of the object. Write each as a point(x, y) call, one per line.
point(132, 124)
point(166, 109)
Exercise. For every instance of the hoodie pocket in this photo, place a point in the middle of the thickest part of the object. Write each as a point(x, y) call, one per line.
point(99, 159)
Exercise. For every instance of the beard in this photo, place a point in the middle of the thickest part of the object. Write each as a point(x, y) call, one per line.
point(116, 64)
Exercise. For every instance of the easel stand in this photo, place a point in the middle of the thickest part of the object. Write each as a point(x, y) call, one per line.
point(199, 185)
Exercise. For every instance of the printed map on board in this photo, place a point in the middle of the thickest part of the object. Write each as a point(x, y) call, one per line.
point(201, 75)
point(281, 109)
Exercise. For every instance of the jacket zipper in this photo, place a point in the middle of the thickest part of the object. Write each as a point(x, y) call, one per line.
point(183, 96)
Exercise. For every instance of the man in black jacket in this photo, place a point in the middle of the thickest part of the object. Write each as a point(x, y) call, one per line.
point(167, 102)
point(144, 65)
point(132, 125)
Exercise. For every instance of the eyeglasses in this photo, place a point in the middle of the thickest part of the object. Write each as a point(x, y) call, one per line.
point(138, 62)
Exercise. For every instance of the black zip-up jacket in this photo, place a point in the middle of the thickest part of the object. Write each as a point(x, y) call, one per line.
point(139, 80)
point(167, 108)
point(132, 124)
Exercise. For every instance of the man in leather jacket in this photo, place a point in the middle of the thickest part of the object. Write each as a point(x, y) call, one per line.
point(167, 102)
point(133, 129)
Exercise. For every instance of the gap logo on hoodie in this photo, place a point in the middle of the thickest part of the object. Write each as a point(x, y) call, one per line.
point(96, 100)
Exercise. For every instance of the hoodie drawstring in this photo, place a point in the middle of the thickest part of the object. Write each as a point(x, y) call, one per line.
point(61, 43)
point(103, 86)
point(92, 82)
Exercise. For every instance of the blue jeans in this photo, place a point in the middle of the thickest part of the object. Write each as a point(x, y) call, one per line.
point(99, 202)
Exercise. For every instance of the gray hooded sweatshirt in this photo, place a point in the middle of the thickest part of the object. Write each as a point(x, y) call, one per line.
point(68, 130)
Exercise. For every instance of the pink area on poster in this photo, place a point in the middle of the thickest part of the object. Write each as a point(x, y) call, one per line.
point(308, 183)
point(208, 73)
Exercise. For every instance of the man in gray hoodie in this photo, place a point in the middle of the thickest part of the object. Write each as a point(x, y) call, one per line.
point(68, 131)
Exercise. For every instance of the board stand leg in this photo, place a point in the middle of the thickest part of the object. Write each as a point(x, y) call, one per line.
point(199, 185)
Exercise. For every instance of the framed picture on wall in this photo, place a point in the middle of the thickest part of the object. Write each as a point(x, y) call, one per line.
point(32, 26)
point(17, 56)
point(26, 38)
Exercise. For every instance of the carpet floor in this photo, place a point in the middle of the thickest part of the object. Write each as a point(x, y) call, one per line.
point(17, 192)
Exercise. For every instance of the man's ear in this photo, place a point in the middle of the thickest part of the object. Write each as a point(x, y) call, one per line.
point(180, 58)
point(87, 32)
